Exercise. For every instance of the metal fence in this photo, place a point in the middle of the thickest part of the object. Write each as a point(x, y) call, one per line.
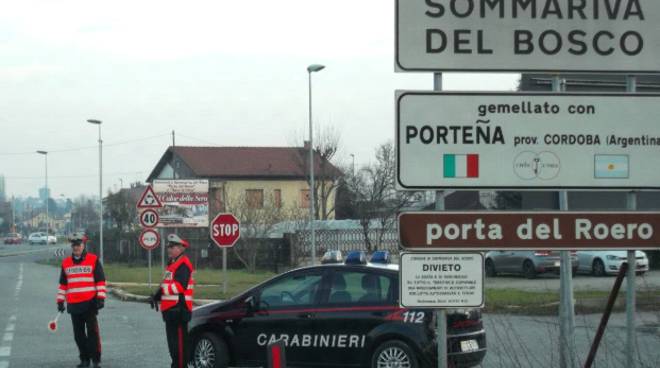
point(347, 240)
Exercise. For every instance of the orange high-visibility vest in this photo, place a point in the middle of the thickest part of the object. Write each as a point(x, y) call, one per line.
point(172, 289)
point(80, 285)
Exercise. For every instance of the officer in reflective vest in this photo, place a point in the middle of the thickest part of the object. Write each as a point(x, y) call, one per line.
point(176, 296)
point(82, 286)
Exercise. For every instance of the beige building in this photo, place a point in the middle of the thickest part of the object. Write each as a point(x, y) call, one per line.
point(39, 222)
point(259, 177)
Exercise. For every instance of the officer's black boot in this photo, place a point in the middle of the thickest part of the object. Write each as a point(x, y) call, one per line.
point(97, 365)
point(83, 363)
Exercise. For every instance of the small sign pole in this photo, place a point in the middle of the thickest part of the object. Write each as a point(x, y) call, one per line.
point(149, 256)
point(224, 271)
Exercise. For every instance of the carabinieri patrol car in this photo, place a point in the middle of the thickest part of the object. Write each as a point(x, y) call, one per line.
point(332, 315)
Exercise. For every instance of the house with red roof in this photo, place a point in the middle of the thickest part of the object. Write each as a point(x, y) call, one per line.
point(259, 176)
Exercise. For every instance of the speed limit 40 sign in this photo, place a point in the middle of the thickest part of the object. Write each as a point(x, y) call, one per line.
point(149, 218)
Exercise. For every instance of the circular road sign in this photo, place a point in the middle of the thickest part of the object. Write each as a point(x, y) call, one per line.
point(149, 218)
point(149, 239)
point(225, 230)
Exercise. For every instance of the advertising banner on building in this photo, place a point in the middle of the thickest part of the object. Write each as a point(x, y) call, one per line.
point(185, 202)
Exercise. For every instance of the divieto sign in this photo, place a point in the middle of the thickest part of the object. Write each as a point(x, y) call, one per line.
point(529, 230)
point(441, 280)
point(528, 35)
point(527, 141)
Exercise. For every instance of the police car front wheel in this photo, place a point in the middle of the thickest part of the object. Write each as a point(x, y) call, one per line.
point(210, 351)
point(393, 354)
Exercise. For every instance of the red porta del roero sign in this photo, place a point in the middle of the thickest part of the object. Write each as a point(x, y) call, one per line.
point(529, 230)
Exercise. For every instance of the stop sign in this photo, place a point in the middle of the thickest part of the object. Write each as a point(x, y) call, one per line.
point(225, 230)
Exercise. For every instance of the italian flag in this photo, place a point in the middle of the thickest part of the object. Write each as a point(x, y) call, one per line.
point(460, 166)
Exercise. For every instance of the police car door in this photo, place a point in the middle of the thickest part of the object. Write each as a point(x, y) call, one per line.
point(284, 311)
point(358, 301)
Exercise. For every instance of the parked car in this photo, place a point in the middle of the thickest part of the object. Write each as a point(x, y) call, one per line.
point(41, 238)
point(13, 238)
point(331, 315)
point(608, 262)
point(529, 263)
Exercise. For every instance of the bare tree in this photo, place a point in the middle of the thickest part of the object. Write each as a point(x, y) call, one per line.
point(326, 146)
point(375, 196)
point(257, 222)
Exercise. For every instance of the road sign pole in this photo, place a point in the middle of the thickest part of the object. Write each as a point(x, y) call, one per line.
point(566, 307)
point(149, 257)
point(162, 248)
point(440, 314)
point(224, 271)
point(631, 203)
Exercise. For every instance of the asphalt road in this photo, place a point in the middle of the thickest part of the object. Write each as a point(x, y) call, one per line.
point(133, 335)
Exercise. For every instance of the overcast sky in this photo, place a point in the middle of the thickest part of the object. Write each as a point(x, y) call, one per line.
point(228, 73)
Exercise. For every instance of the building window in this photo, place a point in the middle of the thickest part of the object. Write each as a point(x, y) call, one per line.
point(304, 198)
point(277, 198)
point(255, 198)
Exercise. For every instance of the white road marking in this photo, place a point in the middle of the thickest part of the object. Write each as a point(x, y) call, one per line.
point(8, 336)
point(10, 327)
point(4, 364)
point(12, 318)
point(5, 351)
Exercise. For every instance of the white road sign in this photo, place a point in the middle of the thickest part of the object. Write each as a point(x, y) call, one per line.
point(441, 280)
point(149, 239)
point(528, 35)
point(527, 141)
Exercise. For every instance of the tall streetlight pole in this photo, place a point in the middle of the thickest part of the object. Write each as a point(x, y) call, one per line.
point(311, 69)
point(98, 122)
point(353, 165)
point(45, 153)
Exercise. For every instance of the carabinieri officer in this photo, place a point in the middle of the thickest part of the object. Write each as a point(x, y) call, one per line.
point(176, 300)
point(82, 286)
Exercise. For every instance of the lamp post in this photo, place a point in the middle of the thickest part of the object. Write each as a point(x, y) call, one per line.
point(98, 122)
point(353, 165)
point(45, 153)
point(312, 69)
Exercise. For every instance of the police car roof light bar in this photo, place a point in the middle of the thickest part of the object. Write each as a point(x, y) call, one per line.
point(356, 257)
point(381, 256)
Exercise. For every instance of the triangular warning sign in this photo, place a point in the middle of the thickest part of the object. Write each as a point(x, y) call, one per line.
point(149, 199)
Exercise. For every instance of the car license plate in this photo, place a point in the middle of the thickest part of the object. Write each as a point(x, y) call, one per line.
point(556, 264)
point(469, 345)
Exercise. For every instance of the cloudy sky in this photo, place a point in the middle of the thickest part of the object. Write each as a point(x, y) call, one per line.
point(228, 73)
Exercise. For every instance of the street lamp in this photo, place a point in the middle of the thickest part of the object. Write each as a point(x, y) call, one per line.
point(45, 153)
point(98, 122)
point(311, 69)
point(353, 165)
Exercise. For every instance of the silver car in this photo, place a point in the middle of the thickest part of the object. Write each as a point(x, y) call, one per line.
point(604, 262)
point(529, 263)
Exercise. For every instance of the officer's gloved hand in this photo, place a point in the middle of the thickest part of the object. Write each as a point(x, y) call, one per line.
point(60, 307)
point(100, 303)
point(153, 302)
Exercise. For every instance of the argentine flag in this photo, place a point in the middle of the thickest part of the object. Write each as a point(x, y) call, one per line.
point(611, 167)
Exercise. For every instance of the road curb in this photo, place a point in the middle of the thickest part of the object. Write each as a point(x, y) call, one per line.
point(128, 297)
point(25, 252)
